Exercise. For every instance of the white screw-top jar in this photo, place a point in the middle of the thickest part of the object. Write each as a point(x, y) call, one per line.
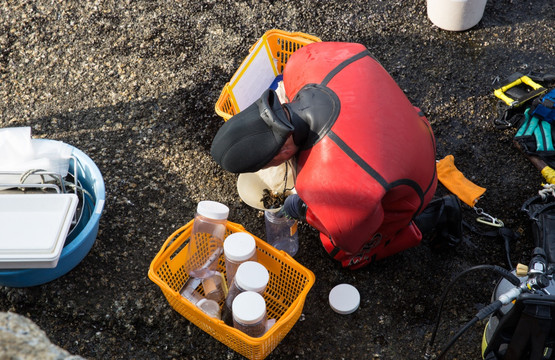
point(207, 236)
point(249, 313)
point(250, 276)
point(238, 248)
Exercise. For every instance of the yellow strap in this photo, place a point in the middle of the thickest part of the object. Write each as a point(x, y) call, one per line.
point(549, 174)
point(454, 180)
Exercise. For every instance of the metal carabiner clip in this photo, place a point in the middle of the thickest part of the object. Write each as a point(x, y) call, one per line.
point(487, 219)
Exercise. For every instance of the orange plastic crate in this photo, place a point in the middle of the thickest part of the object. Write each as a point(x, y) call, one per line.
point(285, 294)
point(281, 44)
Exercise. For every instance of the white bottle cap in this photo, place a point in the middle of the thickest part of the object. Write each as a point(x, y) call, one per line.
point(248, 307)
point(252, 276)
point(213, 210)
point(239, 246)
point(344, 299)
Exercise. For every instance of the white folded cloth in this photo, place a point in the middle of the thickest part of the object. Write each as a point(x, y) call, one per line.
point(19, 152)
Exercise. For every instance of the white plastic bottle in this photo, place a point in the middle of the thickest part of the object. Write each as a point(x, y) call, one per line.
point(249, 313)
point(238, 248)
point(206, 241)
point(281, 232)
point(250, 276)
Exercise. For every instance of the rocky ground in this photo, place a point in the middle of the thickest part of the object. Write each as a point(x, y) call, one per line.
point(133, 85)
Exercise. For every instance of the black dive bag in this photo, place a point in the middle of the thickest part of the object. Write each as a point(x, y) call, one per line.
point(525, 328)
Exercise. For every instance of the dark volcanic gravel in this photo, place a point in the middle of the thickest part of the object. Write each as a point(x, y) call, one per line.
point(133, 84)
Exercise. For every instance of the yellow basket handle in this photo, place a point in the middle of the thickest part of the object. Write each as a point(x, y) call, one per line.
point(172, 238)
point(234, 226)
point(285, 33)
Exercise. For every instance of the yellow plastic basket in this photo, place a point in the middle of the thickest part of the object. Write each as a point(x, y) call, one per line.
point(279, 45)
point(285, 294)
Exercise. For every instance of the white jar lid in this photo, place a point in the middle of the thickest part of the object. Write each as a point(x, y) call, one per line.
point(213, 210)
point(249, 307)
point(344, 299)
point(239, 246)
point(252, 276)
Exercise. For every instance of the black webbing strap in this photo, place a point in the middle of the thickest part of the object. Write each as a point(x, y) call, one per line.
point(506, 235)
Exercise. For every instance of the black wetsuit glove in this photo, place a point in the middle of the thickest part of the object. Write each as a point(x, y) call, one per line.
point(294, 208)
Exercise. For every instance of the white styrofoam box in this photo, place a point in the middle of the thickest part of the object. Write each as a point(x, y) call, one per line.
point(33, 228)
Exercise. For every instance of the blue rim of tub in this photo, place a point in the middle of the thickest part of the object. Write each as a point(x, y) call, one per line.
point(81, 239)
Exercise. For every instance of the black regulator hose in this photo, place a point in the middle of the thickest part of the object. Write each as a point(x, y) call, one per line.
point(482, 314)
point(486, 311)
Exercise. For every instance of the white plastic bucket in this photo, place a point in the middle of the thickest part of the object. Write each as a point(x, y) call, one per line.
point(456, 15)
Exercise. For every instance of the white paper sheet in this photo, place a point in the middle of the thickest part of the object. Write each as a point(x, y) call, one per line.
point(255, 75)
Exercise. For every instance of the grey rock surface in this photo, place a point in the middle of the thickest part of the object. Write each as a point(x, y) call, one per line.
point(133, 84)
point(21, 338)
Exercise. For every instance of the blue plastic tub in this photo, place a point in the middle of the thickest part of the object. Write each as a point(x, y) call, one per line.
point(80, 240)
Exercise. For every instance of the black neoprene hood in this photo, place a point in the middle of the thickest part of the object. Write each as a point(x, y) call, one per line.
point(250, 140)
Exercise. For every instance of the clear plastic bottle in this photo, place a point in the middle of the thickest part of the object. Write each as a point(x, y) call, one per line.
point(238, 248)
point(249, 313)
point(250, 276)
point(281, 232)
point(215, 287)
point(206, 242)
point(189, 290)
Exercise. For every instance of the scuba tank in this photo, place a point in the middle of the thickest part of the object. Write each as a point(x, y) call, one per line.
point(525, 327)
